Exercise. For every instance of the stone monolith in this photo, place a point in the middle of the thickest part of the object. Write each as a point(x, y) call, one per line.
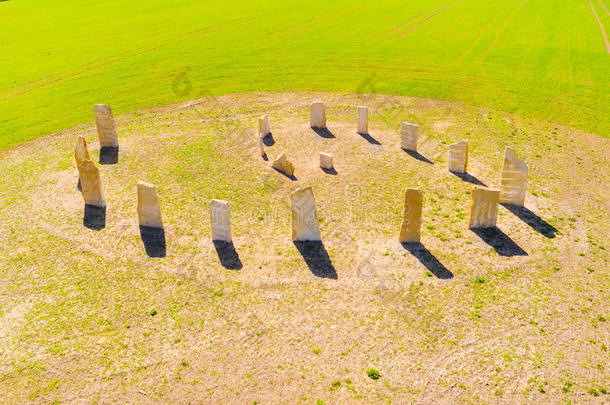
point(408, 136)
point(317, 117)
point(326, 161)
point(149, 211)
point(105, 126)
point(282, 163)
point(484, 208)
point(81, 152)
point(91, 184)
point(221, 224)
point(514, 179)
point(305, 226)
point(363, 122)
point(458, 157)
point(411, 217)
point(263, 126)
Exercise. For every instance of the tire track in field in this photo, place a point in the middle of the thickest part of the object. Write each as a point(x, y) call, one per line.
point(89, 67)
point(604, 6)
point(499, 30)
point(601, 26)
point(399, 26)
point(430, 18)
point(481, 32)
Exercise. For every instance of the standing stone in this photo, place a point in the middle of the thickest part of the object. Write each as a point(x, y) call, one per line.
point(283, 164)
point(484, 208)
point(261, 147)
point(81, 153)
point(411, 217)
point(458, 157)
point(105, 126)
point(149, 212)
point(221, 224)
point(263, 126)
point(514, 179)
point(408, 136)
point(317, 116)
point(305, 225)
point(363, 123)
point(91, 184)
point(326, 161)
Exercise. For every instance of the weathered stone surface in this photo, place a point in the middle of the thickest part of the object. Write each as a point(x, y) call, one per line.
point(458, 157)
point(283, 164)
point(91, 184)
point(81, 153)
point(514, 179)
point(261, 147)
point(411, 217)
point(484, 208)
point(363, 120)
point(105, 126)
point(317, 115)
point(221, 224)
point(149, 211)
point(326, 161)
point(305, 226)
point(408, 136)
point(263, 126)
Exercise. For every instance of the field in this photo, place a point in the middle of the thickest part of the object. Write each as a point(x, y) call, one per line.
point(519, 317)
point(541, 58)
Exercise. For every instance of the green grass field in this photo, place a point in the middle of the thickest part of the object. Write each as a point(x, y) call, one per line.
point(540, 58)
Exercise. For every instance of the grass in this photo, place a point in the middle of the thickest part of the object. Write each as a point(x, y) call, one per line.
point(86, 314)
point(538, 58)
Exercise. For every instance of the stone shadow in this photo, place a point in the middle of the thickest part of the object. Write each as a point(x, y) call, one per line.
point(533, 220)
point(501, 242)
point(323, 132)
point(418, 156)
point(291, 177)
point(469, 178)
point(430, 261)
point(316, 257)
point(109, 155)
point(229, 258)
point(370, 139)
point(330, 171)
point(153, 240)
point(268, 139)
point(94, 217)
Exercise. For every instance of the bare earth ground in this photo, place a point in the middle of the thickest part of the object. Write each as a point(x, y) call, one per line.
point(518, 317)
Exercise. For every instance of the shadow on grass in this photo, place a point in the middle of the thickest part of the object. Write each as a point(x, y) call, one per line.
point(428, 260)
point(316, 257)
point(469, 178)
point(501, 242)
point(533, 220)
point(229, 258)
point(323, 132)
point(268, 139)
point(109, 155)
point(291, 176)
point(418, 156)
point(370, 139)
point(330, 171)
point(153, 240)
point(94, 217)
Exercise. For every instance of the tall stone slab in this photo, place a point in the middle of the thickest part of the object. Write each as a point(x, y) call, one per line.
point(305, 226)
point(81, 152)
point(326, 161)
point(104, 122)
point(149, 211)
point(363, 119)
point(484, 208)
point(91, 184)
point(408, 136)
point(514, 179)
point(317, 115)
point(221, 224)
point(263, 126)
point(458, 157)
point(261, 147)
point(411, 217)
point(282, 164)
